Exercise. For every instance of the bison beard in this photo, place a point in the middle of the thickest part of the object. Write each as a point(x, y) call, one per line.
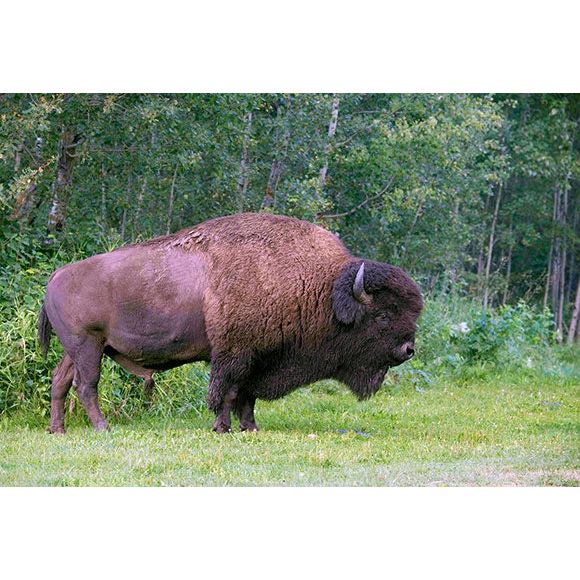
point(272, 302)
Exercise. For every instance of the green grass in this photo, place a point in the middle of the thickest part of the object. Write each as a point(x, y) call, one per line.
point(515, 430)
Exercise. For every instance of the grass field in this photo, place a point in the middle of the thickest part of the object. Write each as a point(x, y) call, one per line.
point(516, 430)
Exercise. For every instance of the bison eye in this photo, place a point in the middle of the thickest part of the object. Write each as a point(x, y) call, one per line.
point(383, 317)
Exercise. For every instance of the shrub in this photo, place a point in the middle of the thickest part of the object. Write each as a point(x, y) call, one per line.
point(456, 334)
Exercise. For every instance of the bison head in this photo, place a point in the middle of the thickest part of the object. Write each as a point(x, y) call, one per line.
point(379, 305)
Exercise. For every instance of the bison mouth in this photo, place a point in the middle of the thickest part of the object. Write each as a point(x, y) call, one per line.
point(397, 362)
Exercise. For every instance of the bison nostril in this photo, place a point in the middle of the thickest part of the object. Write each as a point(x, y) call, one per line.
point(410, 351)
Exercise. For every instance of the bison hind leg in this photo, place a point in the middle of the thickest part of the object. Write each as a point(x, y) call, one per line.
point(62, 378)
point(87, 361)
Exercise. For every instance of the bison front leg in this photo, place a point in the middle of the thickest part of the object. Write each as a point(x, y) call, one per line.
point(226, 374)
point(245, 411)
point(223, 421)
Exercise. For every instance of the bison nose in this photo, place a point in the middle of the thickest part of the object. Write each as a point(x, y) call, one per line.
point(410, 351)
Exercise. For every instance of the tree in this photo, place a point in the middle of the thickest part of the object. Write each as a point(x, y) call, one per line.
point(475, 195)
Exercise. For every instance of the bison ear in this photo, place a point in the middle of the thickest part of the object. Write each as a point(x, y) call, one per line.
point(348, 294)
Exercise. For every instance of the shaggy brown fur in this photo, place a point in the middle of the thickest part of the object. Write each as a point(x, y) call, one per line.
point(269, 300)
point(271, 283)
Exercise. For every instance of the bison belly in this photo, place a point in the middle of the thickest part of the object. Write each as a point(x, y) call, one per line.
point(159, 340)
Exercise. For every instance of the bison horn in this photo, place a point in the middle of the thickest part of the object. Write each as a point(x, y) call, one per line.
point(358, 288)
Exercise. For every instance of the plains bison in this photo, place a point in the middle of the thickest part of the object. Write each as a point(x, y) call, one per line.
point(272, 302)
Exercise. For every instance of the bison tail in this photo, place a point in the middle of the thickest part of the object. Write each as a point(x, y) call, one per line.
point(44, 331)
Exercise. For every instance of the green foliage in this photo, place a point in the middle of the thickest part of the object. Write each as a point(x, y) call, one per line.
point(411, 177)
point(455, 335)
point(509, 336)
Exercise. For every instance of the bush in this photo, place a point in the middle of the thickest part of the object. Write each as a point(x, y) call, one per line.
point(456, 334)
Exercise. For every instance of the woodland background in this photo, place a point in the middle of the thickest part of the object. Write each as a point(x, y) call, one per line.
point(475, 195)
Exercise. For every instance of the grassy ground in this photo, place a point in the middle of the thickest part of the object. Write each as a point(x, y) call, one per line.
point(519, 430)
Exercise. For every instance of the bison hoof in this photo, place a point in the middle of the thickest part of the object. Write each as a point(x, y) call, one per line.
point(249, 427)
point(55, 430)
point(102, 427)
point(220, 427)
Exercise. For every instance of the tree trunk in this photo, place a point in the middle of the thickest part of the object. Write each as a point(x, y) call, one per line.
point(559, 258)
point(124, 223)
point(573, 328)
point(572, 269)
point(171, 200)
point(25, 201)
point(509, 266)
point(61, 185)
point(331, 131)
point(273, 179)
point(558, 278)
point(481, 255)
point(129, 198)
point(549, 273)
point(418, 214)
point(17, 159)
point(562, 281)
point(139, 207)
point(103, 199)
point(244, 178)
point(490, 246)
point(556, 259)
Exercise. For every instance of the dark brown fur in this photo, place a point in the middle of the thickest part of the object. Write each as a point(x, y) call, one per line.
point(267, 299)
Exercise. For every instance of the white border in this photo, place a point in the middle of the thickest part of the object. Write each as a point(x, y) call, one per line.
point(302, 46)
point(289, 533)
point(496, 46)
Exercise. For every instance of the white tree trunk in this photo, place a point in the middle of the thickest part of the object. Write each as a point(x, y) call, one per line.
point(140, 199)
point(171, 201)
point(25, 201)
point(490, 247)
point(509, 265)
point(331, 131)
point(277, 164)
point(103, 199)
point(573, 328)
